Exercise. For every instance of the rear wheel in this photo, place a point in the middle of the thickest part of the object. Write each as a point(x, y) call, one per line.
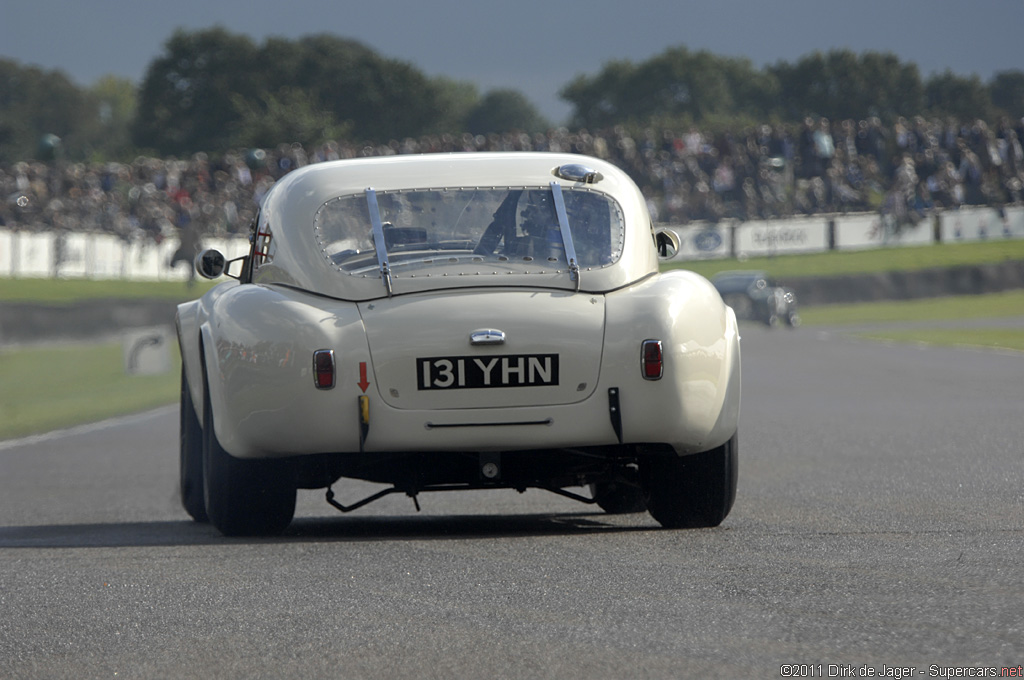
point(620, 496)
point(191, 456)
point(691, 491)
point(244, 497)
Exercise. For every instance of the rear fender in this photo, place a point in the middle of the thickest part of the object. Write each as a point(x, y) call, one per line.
point(186, 324)
point(257, 346)
point(695, 405)
point(190, 320)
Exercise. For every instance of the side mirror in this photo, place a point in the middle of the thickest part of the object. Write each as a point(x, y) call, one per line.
point(211, 263)
point(667, 243)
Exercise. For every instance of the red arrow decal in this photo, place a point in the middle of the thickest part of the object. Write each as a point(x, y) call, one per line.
point(363, 382)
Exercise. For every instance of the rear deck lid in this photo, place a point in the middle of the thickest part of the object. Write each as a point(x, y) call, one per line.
point(485, 348)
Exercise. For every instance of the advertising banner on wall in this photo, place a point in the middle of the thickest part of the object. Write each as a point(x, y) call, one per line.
point(107, 257)
point(858, 231)
point(777, 237)
point(703, 241)
point(871, 230)
point(74, 254)
point(35, 254)
point(979, 224)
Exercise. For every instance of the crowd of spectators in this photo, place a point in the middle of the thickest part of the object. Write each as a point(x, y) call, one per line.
point(904, 170)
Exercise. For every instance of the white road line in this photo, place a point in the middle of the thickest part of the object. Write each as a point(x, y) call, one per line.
point(87, 428)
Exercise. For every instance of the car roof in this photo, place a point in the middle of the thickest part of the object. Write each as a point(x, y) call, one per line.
point(291, 204)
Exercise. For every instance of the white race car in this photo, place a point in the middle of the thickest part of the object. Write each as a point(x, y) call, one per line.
point(458, 321)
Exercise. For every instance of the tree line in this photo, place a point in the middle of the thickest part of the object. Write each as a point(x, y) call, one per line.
point(212, 90)
point(699, 87)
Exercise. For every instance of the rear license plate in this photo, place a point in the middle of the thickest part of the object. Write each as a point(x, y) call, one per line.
point(518, 370)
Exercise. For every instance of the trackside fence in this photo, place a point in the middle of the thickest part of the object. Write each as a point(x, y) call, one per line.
point(855, 231)
point(98, 256)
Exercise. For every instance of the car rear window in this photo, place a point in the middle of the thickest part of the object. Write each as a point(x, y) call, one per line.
point(469, 230)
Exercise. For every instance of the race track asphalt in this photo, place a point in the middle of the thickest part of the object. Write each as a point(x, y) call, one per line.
point(879, 523)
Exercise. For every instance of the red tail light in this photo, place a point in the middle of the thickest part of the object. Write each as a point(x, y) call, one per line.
point(652, 365)
point(323, 368)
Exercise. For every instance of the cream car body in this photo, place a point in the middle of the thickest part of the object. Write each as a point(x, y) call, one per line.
point(448, 325)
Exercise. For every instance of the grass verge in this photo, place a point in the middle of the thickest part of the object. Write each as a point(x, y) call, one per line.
point(62, 291)
point(989, 338)
point(43, 389)
point(961, 307)
point(994, 305)
point(839, 262)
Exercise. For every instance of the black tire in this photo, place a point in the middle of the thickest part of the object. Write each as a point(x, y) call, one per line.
point(620, 496)
point(190, 482)
point(691, 491)
point(244, 497)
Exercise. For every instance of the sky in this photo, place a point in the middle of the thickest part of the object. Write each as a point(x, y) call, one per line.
point(534, 46)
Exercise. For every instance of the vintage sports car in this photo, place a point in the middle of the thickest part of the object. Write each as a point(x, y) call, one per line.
point(753, 295)
point(462, 321)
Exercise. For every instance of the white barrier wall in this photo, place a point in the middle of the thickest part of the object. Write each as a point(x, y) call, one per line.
point(33, 256)
point(98, 256)
point(842, 232)
point(6, 255)
point(107, 257)
point(104, 256)
point(977, 224)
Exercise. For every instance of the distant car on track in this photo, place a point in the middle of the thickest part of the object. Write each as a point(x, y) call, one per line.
point(457, 321)
point(753, 295)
